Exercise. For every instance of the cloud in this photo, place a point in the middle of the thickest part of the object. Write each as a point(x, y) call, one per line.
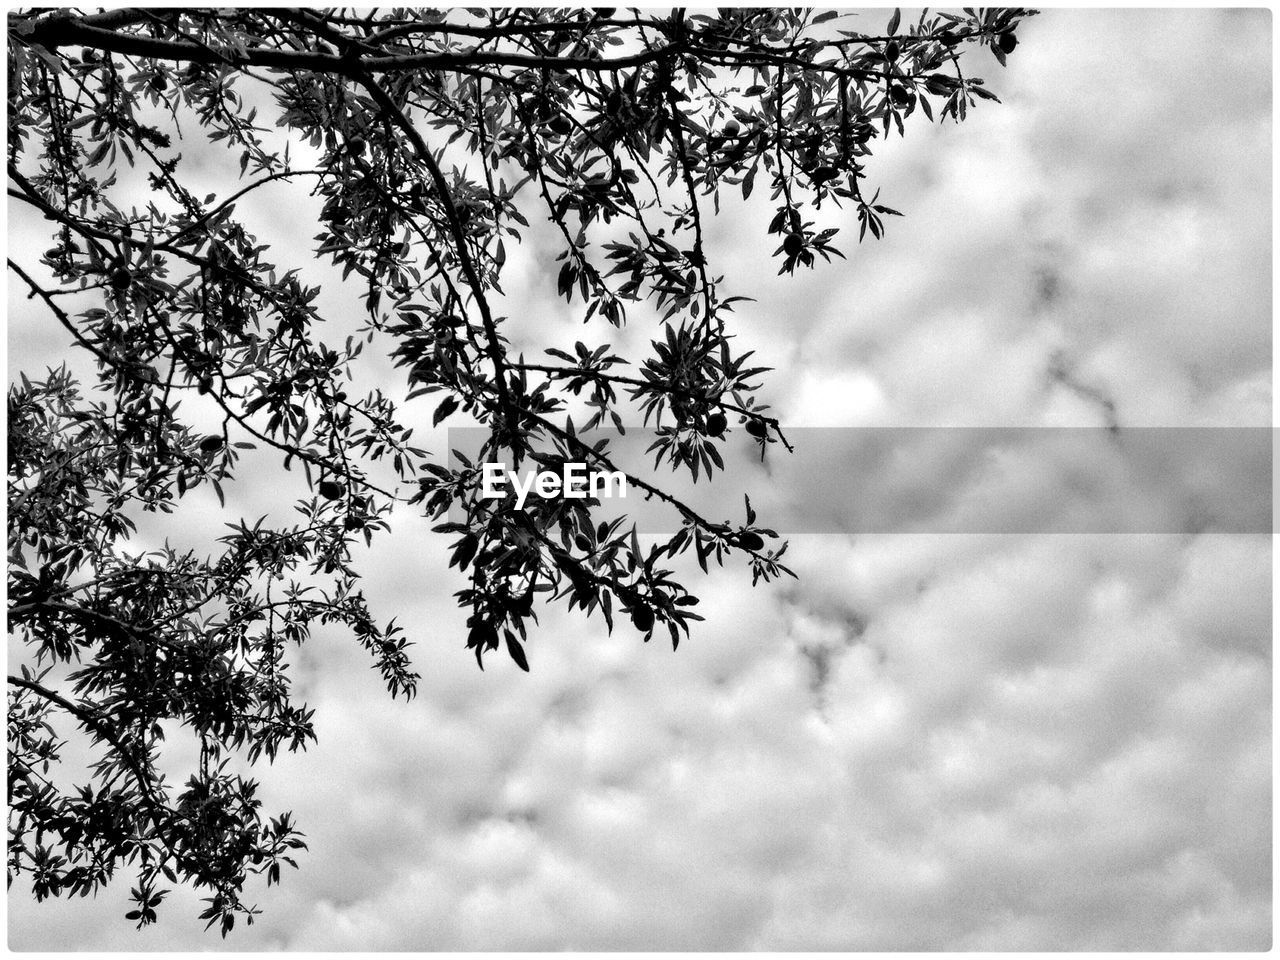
point(929, 741)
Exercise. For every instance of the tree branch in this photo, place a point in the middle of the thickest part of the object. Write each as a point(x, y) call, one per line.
point(495, 351)
point(57, 32)
point(37, 290)
point(95, 722)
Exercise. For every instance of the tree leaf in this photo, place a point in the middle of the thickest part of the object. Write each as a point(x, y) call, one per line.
point(516, 650)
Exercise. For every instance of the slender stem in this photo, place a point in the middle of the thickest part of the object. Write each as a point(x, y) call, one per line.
point(495, 351)
point(37, 290)
point(96, 723)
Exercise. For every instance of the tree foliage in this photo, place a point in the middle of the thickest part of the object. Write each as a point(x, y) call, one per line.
point(432, 139)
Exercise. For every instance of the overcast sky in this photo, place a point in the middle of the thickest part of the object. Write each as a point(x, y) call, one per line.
point(958, 741)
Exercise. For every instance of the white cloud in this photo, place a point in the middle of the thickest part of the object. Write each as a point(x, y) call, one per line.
point(959, 741)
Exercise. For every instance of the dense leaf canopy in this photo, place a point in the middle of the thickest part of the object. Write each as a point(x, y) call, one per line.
point(433, 139)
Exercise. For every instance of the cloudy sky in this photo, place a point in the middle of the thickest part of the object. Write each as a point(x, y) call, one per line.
point(930, 741)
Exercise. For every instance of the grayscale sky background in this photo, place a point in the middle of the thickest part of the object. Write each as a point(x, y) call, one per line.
point(958, 742)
